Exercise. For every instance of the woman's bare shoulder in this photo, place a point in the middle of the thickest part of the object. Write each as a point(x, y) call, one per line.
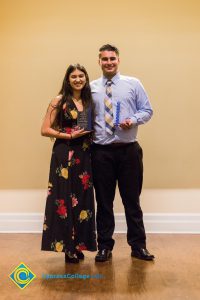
point(55, 101)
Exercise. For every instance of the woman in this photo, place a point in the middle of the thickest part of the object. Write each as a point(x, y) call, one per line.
point(69, 224)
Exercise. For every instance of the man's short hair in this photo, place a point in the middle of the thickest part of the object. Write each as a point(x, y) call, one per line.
point(108, 47)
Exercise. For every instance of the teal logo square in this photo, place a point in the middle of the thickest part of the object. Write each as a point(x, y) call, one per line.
point(22, 276)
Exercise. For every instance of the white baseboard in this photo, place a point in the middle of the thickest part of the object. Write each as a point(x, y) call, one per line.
point(164, 223)
point(25, 215)
point(21, 222)
point(154, 223)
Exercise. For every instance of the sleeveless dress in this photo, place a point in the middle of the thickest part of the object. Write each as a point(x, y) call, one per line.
point(69, 221)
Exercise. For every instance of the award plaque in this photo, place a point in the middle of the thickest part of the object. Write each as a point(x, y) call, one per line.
point(117, 118)
point(84, 120)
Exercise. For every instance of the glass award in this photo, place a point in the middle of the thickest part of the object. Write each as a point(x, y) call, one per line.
point(84, 120)
point(117, 117)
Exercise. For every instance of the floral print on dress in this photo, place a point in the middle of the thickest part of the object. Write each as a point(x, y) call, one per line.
point(68, 130)
point(85, 145)
point(69, 211)
point(62, 172)
point(70, 113)
point(45, 227)
point(74, 200)
point(70, 154)
point(85, 179)
point(73, 160)
point(85, 215)
point(62, 209)
point(74, 113)
point(50, 186)
point(57, 246)
point(66, 114)
point(77, 161)
point(81, 247)
point(73, 233)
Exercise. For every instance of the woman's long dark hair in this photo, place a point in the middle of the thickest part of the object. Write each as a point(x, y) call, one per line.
point(67, 92)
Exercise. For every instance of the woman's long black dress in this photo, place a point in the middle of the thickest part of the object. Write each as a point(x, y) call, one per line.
point(69, 221)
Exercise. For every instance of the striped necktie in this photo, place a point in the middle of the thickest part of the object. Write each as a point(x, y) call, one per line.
point(108, 108)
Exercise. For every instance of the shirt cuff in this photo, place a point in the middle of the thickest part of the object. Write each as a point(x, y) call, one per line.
point(134, 120)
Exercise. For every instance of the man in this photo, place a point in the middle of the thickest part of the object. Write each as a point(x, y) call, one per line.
point(120, 105)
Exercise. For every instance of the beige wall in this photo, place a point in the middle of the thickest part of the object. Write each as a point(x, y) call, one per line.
point(159, 43)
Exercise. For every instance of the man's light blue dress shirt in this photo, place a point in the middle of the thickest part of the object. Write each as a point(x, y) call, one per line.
point(134, 104)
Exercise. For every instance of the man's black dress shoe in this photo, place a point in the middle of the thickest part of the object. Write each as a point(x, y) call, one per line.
point(103, 255)
point(142, 253)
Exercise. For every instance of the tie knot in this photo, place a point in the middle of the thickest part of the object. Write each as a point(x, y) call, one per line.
point(109, 82)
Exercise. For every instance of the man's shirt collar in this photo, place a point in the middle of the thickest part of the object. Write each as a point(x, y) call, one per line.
point(114, 79)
